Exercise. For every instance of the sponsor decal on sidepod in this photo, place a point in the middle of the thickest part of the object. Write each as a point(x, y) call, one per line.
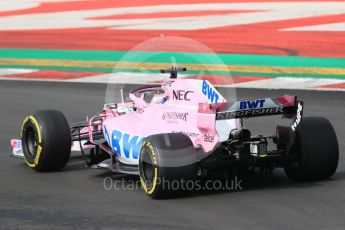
point(174, 116)
point(124, 144)
point(208, 138)
point(191, 135)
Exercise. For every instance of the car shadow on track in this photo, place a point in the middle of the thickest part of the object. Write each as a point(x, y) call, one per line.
point(252, 182)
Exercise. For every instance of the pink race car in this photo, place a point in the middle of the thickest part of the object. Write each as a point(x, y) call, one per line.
point(180, 131)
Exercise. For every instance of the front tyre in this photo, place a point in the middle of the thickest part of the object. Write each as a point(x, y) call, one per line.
point(46, 140)
point(167, 165)
point(317, 150)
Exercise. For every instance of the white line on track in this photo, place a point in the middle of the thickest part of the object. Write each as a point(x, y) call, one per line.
point(10, 71)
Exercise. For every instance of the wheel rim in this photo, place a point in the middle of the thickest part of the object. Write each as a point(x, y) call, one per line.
point(31, 141)
point(147, 169)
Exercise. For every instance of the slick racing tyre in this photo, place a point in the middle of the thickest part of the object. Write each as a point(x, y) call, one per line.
point(46, 140)
point(167, 165)
point(317, 150)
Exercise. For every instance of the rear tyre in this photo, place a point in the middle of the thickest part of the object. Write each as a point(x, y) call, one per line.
point(317, 150)
point(46, 140)
point(167, 165)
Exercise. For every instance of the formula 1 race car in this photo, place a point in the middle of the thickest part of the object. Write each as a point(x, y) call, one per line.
point(179, 131)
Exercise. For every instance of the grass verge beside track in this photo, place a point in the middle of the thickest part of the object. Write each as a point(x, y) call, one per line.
point(236, 64)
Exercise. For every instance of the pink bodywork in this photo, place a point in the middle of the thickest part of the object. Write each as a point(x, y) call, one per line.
point(178, 106)
point(182, 107)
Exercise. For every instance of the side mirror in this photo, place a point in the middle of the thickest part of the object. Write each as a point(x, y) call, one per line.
point(139, 102)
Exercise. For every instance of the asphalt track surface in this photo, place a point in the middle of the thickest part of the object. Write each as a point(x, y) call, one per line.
point(76, 199)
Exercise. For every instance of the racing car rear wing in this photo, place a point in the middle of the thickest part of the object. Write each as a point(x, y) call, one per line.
point(256, 108)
